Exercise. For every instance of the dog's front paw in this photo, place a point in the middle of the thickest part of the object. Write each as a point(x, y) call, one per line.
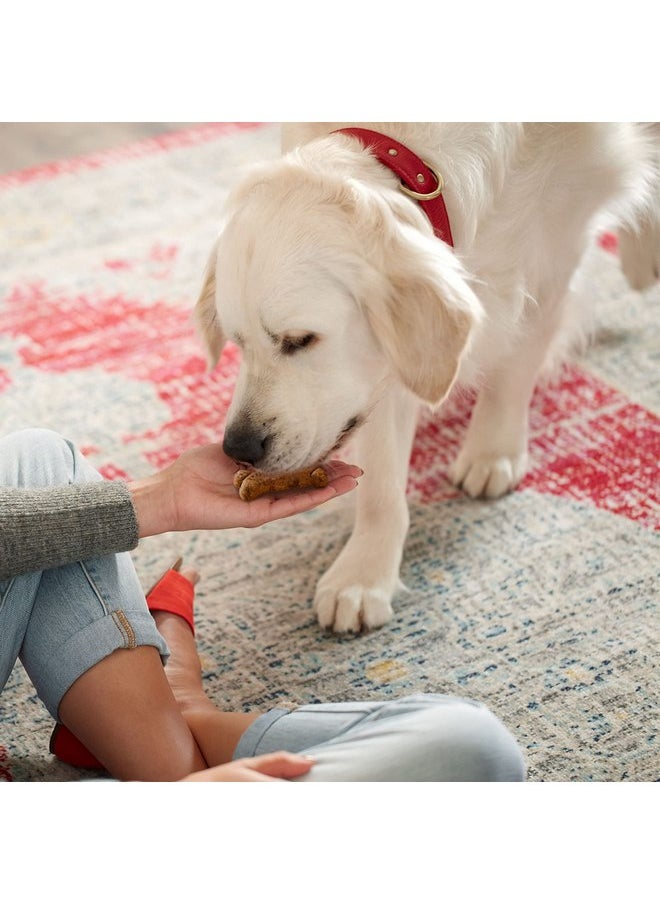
point(490, 477)
point(353, 608)
point(356, 592)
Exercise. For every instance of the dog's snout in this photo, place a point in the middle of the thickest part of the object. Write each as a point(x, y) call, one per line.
point(245, 445)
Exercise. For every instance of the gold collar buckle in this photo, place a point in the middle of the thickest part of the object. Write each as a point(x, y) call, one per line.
point(419, 196)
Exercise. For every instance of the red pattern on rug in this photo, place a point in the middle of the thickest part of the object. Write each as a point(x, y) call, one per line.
point(588, 441)
point(167, 141)
point(155, 343)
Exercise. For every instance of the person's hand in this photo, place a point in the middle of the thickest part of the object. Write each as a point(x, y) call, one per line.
point(196, 492)
point(271, 767)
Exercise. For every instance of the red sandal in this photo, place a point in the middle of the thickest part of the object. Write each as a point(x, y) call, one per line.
point(67, 748)
point(171, 593)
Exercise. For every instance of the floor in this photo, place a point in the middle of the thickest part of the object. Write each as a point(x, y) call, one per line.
point(25, 144)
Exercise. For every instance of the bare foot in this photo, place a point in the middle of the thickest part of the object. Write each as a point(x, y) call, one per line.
point(216, 732)
point(183, 668)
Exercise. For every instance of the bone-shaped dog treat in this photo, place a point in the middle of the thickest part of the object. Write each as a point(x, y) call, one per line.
point(252, 484)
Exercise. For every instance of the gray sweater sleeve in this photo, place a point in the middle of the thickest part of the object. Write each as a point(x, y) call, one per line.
point(43, 528)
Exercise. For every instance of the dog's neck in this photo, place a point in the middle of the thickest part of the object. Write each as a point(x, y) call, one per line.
point(471, 162)
point(419, 182)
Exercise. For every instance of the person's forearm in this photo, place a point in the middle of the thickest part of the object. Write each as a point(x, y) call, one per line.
point(47, 527)
point(154, 505)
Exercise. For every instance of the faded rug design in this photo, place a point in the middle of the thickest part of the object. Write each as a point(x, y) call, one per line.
point(543, 605)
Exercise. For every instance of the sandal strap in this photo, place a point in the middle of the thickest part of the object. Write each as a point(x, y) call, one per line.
point(67, 748)
point(173, 593)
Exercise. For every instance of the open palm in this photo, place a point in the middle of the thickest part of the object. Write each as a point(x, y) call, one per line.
point(204, 496)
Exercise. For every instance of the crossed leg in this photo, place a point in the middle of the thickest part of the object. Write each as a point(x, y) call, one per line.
point(216, 732)
point(425, 737)
point(173, 728)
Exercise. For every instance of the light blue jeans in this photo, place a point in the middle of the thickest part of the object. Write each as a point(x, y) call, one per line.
point(421, 738)
point(62, 621)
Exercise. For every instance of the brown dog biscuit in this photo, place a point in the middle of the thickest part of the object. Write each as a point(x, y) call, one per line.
point(252, 484)
point(239, 477)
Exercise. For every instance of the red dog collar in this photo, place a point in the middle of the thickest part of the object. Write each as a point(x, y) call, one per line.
point(418, 180)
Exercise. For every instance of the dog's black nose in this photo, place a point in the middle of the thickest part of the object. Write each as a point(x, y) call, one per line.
point(246, 446)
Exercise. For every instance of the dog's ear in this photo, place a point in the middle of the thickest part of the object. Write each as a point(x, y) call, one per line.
point(206, 314)
point(424, 312)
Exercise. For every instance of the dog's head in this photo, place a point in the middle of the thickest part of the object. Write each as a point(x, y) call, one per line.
point(332, 290)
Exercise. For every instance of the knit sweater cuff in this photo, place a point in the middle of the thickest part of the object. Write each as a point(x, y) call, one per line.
point(43, 528)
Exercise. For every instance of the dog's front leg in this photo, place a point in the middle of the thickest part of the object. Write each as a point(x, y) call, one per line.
point(493, 458)
point(356, 592)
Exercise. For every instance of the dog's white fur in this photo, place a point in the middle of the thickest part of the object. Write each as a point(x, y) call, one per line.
point(350, 313)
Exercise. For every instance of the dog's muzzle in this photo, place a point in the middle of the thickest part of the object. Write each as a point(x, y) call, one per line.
point(245, 445)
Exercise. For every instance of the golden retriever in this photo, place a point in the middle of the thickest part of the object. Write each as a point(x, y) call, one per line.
point(350, 313)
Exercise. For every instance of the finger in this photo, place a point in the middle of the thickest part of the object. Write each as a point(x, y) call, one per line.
point(293, 504)
point(282, 764)
point(254, 775)
point(230, 772)
point(190, 573)
point(336, 468)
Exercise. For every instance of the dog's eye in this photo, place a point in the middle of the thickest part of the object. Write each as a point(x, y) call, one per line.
point(291, 344)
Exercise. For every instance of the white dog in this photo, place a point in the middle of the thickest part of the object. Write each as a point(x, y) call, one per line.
point(350, 312)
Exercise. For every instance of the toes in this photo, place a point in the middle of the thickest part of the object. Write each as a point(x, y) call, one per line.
point(325, 605)
point(352, 609)
point(486, 477)
point(191, 574)
point(347, 613)
point(457, 471)
point(376, 609)
point(504, 476)
point(478, 478)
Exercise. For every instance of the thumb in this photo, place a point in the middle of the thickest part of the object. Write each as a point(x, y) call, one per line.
point(281, 764)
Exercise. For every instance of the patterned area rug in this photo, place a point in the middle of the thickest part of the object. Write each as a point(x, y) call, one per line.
point(543, 605)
